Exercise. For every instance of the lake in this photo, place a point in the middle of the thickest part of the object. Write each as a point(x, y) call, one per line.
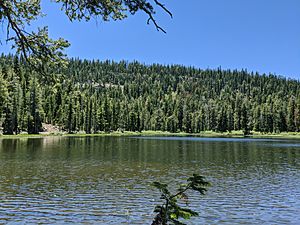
point(107, 180)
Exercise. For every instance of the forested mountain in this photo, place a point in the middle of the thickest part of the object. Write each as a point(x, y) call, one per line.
point(94, 96)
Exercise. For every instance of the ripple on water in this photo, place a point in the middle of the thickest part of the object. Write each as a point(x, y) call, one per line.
point(106, 181)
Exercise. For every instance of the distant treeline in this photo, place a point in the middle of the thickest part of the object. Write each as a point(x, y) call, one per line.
point(94, 96)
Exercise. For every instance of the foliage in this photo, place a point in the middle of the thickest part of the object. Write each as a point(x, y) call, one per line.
point(94, 96)
point(38, 48)
point(171, 211)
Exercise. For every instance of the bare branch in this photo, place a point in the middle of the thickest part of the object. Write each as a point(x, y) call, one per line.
point(163, 7)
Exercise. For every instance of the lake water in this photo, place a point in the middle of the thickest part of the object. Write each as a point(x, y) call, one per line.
point(106, 180)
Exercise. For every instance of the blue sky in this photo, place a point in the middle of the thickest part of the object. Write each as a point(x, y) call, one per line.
point(258, 35)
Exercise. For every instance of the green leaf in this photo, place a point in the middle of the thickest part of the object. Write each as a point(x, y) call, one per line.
point(173, 216)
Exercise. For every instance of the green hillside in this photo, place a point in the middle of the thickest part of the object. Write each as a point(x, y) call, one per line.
point(95, 96)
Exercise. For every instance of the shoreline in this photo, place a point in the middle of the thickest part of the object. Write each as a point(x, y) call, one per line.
point(207, 134)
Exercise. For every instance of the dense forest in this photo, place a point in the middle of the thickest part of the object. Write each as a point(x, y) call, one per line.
point(95, 96)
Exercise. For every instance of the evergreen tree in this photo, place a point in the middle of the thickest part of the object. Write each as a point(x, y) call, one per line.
point(35, 111)
point(3, 95)
point(291, 114)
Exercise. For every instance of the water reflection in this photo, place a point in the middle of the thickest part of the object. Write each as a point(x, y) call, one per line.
point(106, 179)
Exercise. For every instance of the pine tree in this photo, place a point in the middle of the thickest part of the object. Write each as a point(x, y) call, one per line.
point(245, 118)
point(34, 124)
point(291, 114)
point(230, 120)
point(221, 120)
point(238, 113)
point(8, 125)
point(3, 95)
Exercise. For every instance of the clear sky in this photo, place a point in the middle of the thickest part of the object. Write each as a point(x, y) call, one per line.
point(258, 35)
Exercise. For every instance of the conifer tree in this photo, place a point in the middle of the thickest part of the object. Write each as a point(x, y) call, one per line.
point(291, 114)
point(34, 118)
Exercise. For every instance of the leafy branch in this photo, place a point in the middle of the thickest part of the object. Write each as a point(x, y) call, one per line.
point(170, 211)
point(38, 48)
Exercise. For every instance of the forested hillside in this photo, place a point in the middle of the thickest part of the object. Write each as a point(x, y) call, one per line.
point(94, 96)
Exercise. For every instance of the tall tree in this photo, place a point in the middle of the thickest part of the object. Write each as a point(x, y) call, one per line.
point(3, 94)
point(35, 110)
point(291, 114)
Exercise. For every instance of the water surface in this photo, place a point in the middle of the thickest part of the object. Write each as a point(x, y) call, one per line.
point(106, 180)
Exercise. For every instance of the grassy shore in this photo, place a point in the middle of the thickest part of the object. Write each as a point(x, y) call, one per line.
point(233, 134)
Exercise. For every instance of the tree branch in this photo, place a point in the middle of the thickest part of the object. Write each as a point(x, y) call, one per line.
point(163, 7)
